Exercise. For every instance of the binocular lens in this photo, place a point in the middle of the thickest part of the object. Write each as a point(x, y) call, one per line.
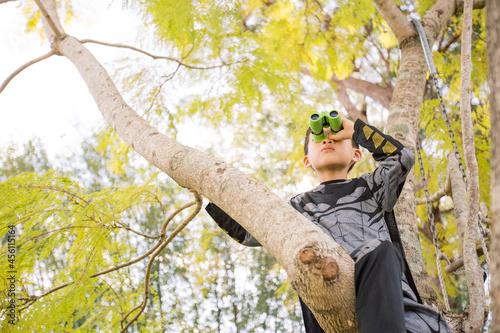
point(315, 116)
point(334, 114)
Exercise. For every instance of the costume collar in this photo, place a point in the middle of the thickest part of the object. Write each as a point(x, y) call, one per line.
point(333, 181)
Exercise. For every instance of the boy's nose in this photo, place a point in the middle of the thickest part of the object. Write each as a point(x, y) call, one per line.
point(329, 135)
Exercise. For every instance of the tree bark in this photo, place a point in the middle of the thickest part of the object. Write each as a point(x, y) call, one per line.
point(493, 49)
point(380, 94)
point(346, 102)
point(404, 116)
point(402, 123)
point(467, 239)
point(473, 270)
point(318, 268)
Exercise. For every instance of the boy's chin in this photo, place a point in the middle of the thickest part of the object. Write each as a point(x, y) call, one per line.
point(331, 168)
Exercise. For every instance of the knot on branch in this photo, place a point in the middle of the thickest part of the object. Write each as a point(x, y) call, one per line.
point(54, 44)
point(413, 40)
point(319, 264)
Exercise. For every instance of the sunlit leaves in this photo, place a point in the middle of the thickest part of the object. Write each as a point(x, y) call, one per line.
point(64, 235)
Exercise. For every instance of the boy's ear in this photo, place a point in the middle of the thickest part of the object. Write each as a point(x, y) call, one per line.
point(357, 155)
point(306, 162)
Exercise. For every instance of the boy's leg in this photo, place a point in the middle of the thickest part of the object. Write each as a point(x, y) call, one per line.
point(310, 323)
point(379, 295)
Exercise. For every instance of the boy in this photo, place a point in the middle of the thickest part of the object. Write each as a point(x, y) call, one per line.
point(358, 214)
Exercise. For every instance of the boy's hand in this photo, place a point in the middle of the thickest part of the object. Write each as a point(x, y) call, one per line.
point(347, 130)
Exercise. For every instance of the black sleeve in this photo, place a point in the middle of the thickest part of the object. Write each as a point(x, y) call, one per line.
point(396, 161)
point(379, 144)
point(230, 226)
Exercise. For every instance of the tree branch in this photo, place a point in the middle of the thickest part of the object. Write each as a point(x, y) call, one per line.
point(59, 229)
point(476, 294)
point(398, 23)
point(451, 41)
point(45, 13)
point(383, 95)
point(122, 46)
point(444, 191)
point(437, 18)
point(493, 52)
point(179, 228)
point(23, 67)
point(345, 100)
point(476, 4)
point(457, 263)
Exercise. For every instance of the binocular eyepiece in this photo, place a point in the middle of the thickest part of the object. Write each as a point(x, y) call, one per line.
point(325, 119)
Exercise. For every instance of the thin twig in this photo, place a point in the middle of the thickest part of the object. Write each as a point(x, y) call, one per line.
point(151, 55)
point(442, 192)
point(135, 231)
point(167, 78)
point(451, 41)
point(32, 299)
point(23, 67)
point(116, 294)
point(59, 190)
point(197, 209)
point(59, 229)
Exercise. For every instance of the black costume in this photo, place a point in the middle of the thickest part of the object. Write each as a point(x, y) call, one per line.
point(358, 214)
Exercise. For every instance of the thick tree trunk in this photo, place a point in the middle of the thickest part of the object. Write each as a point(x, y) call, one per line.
point(474, 273)
point(318, 268)
point(493, 49)
point(403, 125)
point(403, 122)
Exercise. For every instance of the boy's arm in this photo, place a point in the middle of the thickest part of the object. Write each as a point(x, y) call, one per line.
point(396, 161)
point(230, 226)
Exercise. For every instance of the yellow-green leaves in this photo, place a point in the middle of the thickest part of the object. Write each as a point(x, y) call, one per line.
point(64, 235)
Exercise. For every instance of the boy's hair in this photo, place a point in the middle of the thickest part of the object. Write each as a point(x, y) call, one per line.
point(306, 146)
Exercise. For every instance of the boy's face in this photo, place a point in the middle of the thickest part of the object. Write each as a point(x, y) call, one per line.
point(329, 155)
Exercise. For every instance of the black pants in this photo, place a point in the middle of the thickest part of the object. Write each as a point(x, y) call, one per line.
point(379, 295)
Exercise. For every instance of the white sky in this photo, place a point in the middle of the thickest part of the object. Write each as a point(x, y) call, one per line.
point(49, 99)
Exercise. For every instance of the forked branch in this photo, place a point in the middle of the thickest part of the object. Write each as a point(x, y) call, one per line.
point(153, 257)
point(396, 20)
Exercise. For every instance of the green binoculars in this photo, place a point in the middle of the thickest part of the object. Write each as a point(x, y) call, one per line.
point(325, 119)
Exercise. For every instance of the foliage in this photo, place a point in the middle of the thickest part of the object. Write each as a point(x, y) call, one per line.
point(67, 232)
